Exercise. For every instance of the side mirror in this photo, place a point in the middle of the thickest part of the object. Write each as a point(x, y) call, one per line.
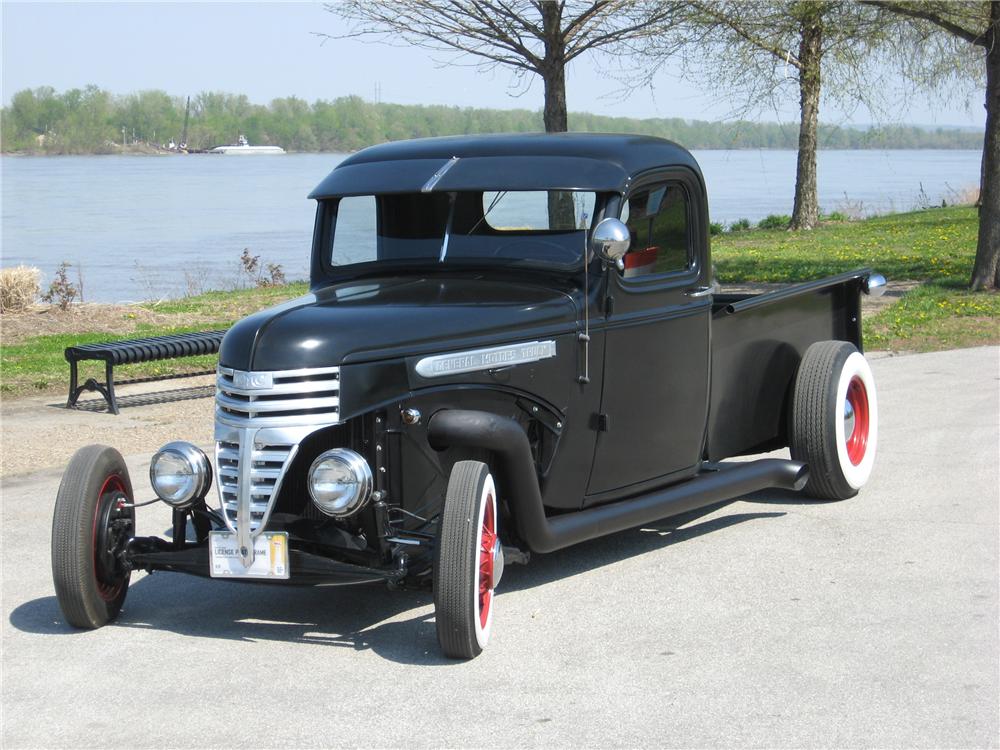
point(610, 240)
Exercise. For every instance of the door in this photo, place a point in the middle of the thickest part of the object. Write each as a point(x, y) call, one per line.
point(654, 403)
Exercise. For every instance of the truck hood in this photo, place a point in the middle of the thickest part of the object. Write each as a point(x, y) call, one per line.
point(373, 319)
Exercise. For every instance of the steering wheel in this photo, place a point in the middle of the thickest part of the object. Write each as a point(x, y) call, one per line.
point(544, 248)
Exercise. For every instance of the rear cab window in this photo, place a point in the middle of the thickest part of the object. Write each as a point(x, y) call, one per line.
point(658, 219)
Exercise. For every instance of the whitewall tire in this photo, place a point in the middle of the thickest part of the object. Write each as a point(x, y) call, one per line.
point(468, 561)
point(834, 424)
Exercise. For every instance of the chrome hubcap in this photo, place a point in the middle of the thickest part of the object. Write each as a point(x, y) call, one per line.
point(848, 418)
point(497, 564)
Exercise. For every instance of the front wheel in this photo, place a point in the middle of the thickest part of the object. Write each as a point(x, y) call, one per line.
point(468, 561)
point(835, 419)
point(93, 521)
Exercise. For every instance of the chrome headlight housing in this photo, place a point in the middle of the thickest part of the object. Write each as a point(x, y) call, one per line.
point(340, 482)
point(180, 474)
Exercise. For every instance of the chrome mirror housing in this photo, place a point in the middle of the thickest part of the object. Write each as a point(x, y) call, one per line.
point(610, 240)
point(874, 284)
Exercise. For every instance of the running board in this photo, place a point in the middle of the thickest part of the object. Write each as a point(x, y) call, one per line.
point(517, 479)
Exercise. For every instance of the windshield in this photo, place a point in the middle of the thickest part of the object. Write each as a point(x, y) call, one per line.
point(537, 228)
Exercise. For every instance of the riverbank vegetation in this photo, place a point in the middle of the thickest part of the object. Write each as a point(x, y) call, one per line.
point(95, 121)
point(935, 247)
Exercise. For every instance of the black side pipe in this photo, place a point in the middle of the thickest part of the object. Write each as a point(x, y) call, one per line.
point(518, 479)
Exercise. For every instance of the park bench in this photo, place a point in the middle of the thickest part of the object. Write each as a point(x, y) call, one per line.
point(133, 351)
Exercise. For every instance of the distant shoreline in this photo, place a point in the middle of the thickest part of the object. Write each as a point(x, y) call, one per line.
point(150, 152)
point(96, 121)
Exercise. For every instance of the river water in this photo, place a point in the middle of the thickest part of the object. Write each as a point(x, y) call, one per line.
point(146, 227)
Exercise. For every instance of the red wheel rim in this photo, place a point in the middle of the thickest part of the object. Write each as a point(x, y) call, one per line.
point(486, 544)
point(107, 591)
point(857, 441)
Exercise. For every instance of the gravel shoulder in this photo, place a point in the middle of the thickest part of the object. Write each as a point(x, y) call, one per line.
point(39, 432)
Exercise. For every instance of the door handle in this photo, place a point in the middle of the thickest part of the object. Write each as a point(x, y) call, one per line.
point(700, 291)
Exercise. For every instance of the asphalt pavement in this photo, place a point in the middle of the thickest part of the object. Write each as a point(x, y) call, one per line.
point(772, 621)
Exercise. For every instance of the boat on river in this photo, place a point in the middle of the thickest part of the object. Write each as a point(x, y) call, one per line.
point(243, 147)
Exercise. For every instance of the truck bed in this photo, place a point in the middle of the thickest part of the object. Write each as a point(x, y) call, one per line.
point(757, 343)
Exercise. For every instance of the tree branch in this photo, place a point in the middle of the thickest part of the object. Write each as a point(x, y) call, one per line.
point(748, 36)
point(920, 11)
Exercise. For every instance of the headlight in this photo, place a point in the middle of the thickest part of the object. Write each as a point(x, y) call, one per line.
point(340, 482)
point(180, 474)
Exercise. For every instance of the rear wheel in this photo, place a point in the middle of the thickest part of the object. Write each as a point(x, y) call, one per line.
point(468, 561)
point(93, 522)
point(835, 419)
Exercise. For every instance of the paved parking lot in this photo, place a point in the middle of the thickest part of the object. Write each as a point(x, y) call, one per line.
point(771, 621)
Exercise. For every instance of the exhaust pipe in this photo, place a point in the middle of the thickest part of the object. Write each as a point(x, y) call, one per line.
point(517, 477)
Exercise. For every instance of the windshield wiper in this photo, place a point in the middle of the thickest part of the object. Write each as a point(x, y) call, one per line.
point(493, 204)
point(447, 228)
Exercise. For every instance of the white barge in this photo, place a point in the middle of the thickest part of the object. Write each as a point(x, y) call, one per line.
point(243, 147)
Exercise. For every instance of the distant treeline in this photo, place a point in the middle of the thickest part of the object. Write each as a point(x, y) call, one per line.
point(94, 121)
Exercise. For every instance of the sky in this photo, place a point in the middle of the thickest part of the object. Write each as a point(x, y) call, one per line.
point(270, 50)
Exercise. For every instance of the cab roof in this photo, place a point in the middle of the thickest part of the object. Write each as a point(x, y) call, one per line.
point(526, 161)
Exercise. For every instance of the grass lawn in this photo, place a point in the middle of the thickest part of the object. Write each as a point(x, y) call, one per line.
point(37, 364)
point(935, 246)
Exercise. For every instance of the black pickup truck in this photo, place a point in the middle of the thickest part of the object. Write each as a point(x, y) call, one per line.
point(512, 344)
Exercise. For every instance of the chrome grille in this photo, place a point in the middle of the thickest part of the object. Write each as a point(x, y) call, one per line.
point(260, 420)
point(267, 467)
point(278, 398)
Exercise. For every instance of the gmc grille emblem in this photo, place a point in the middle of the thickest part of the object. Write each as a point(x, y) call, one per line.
point(260, 381)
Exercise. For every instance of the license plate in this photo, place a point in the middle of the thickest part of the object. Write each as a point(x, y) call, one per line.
point(270, 556)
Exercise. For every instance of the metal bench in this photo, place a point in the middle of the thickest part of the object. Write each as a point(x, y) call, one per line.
point(132, 351)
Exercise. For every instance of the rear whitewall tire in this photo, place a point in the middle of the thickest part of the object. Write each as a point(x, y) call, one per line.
point(834, 419)
point(857, 367)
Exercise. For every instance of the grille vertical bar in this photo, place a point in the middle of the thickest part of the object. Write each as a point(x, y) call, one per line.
point(260, 419)
point(267, 468)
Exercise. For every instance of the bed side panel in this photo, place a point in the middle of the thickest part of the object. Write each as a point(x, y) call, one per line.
point(755, 354)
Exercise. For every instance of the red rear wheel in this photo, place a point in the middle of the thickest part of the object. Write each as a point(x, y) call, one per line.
point(856, 422)
point(834, 426)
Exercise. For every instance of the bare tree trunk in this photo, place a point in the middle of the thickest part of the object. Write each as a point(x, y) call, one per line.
point(986, 269)
point(805, 213)
point(561, 212)
point(553, 68)
point(555, 115)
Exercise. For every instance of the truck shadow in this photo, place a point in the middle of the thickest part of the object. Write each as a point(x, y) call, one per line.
point(597, 553)
point(396, 625)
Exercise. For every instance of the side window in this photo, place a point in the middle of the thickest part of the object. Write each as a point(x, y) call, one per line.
point(657, 218)
point(355, 238)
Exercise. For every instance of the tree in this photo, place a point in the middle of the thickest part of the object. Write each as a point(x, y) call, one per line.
point(969, 30)
point(87, 124)
point(532, 37)
point(153, 115)
point(218, 118)
point(763, 49)
point(31, 117)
